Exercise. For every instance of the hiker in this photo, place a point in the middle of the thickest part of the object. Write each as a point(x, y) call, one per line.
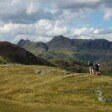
point(91, 70)
point(96, 67)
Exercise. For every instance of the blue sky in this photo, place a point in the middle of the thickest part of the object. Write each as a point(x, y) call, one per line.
point(40, 20)
point(96, 20)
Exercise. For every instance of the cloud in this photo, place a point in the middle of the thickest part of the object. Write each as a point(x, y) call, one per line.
point(92, 33)
point(77, 4)
point(30, 11)
point(44, 30)
point(107, 13)
point(22, 11)
point(40, 20)
point(32, 8)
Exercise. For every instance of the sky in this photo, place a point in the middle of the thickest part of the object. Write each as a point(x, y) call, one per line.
point(41, 20)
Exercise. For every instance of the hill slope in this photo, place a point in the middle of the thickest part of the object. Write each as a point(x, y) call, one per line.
point(14, 54)
point(22, 89)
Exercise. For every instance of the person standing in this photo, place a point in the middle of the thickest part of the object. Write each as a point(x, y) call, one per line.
point(91, 70)
point(96, 67)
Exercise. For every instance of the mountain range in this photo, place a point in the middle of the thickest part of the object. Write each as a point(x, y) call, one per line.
point(69, 54)
point(61, 47)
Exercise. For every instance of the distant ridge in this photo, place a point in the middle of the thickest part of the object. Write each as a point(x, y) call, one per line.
point(61, 42)
point(63, 47)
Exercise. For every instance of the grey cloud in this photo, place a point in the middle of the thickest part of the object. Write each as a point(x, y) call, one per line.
point(15, 10)
point(58, 17)
point(74, 4)
point(106, 31)
point(16, 13)
point(77, 5)
point(108, 3)
point(23, 18)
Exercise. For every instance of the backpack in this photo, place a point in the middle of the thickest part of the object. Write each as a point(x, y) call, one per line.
point(96, 66)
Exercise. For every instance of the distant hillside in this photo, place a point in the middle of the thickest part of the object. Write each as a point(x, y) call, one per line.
point(15, 54)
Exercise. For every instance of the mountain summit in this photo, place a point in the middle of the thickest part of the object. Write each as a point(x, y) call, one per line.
point(34, 47)
point(60, 42)
point(23, 42)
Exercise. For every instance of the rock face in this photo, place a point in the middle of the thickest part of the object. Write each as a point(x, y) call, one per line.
point(96, 44)
point(17, 54)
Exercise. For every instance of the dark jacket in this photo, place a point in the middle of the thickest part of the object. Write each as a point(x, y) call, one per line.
point(96, 67)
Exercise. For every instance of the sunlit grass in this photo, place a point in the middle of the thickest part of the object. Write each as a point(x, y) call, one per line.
point(55, 90)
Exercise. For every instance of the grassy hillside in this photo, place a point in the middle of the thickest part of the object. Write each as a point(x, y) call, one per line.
point(4, 60)
point(46, 89)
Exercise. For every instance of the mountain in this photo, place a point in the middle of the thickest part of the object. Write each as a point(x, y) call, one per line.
point(23, 42)
point(60, 42)
point(82, 49)
point(15, 54)
point(34, 47)
point(93, 44)
point(97, 50)
point(62, 47)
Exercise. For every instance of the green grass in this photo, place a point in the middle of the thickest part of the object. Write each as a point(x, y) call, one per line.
point(55, 90)
point(4, 60)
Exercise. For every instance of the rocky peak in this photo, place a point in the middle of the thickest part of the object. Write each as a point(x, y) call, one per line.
point(22, 42)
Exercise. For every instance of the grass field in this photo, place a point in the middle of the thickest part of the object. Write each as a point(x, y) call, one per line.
point(47, 89)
